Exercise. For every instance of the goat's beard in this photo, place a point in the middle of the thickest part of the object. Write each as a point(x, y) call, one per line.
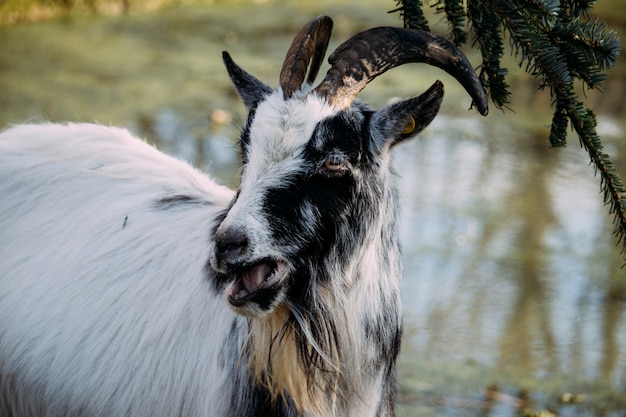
point(295, 355)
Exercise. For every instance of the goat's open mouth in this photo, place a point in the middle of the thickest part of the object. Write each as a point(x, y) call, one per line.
point(252, 280)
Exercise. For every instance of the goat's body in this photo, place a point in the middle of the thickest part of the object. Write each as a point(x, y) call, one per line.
point(92, 221)
point(108, 306)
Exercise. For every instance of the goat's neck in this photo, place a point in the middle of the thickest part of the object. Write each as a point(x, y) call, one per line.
point(335, 354)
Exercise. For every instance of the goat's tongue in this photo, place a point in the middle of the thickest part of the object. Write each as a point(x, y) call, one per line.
point(251, 280)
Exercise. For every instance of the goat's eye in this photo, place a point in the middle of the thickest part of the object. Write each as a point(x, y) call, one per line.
point(334, 164)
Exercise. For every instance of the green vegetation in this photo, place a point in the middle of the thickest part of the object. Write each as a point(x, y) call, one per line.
point(16, 11)
point(12, 11)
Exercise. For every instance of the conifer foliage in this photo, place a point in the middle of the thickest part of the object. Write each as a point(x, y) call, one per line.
point(557, 42)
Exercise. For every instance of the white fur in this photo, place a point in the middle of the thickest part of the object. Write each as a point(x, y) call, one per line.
point(77, 329)
point(277, 134)
point(279, 131)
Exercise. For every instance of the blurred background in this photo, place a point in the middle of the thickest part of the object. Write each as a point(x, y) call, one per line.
point(515, 299)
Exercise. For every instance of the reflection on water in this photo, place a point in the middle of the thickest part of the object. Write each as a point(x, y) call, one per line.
point(514, 297)
point(510, 268)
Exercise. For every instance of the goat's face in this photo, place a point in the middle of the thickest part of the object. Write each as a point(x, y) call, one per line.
point(315, 165)
point(312, 177)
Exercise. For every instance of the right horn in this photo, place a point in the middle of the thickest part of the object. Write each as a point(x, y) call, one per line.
point(370, 53)
point(307, 50)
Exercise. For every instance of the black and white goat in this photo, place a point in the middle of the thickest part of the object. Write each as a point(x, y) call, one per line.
point(117, 261)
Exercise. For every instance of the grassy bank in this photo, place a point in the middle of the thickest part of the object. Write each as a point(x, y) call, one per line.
point(16, 11)
point(11, 11)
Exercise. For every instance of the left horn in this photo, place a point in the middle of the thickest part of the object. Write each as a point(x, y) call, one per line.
point(309, 46)
point(370, 53)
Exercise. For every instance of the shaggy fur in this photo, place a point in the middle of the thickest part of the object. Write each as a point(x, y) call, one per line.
point(331, 338)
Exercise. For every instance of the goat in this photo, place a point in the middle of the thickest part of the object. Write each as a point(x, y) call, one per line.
point(117, 261)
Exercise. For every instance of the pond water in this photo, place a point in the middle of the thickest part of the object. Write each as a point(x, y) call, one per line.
point(514, 297)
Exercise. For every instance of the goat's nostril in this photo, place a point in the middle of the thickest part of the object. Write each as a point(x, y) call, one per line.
point(231, 246)
point(233, 249)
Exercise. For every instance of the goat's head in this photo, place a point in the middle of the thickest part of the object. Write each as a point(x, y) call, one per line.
point(313, 157)
point(315, 212)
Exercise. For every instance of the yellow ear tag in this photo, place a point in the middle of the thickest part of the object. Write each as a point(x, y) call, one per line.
point(410, 126)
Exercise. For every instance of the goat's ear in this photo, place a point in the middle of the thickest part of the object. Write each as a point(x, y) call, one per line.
point(250, 89)
point(404, 119)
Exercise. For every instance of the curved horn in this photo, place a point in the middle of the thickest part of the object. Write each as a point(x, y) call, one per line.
point(309, 46)
point(370, 53)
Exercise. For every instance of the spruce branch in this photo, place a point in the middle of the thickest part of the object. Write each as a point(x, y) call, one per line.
point(579, 8)
point(584, 123)
point(454, 11)
point(490, 44)
point(556, 43)
point(411, 12)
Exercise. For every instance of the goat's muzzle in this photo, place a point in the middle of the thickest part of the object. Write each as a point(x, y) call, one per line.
point(254, 285)
point(257, 283)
